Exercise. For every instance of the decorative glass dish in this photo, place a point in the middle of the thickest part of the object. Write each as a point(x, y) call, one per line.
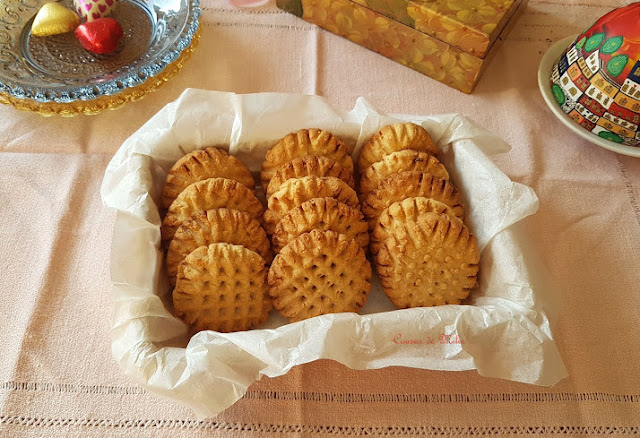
point(56, 75)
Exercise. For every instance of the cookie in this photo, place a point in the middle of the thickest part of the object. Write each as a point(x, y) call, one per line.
point(220, 225)
point(295, 191)
point(202, 164)
point(222, 287)
point(317, 273)
point(309, 165)
point(407, 160)
point(427, 261)
point(324, 214)
point(400, 212)
point(405, 185)
point(394, 138)
point(206, 195)
point(301, 143)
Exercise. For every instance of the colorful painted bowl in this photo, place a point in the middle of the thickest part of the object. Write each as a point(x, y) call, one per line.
point(596, 79)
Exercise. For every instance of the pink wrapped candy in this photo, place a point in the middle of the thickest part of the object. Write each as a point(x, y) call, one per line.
point(91, 10)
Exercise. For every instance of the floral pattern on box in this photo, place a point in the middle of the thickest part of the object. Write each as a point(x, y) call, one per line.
point(470, 25)
point(395, 41)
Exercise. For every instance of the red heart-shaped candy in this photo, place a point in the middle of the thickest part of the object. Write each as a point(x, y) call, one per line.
point(100, 36)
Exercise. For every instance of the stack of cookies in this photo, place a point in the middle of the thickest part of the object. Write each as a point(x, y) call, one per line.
point(217, 250)
point(316, 226)
point(423, 252)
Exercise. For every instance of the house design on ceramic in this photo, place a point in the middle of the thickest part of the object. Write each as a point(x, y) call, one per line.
point(597, 83)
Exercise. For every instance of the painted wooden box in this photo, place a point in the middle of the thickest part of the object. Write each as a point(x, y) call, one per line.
point(448, 40)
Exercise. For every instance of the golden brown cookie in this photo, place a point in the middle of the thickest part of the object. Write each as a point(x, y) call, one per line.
point(309, 165)
point(400, 212)
point(202, 164)
point(301, 143)
point(407, 160)
point(324, 214)
point(319, 272)
point(428, 261)
point(393, 138)
point(295, 191)
point(206, 195)
point(404, 185)
point(222, 287)
point(220, 225)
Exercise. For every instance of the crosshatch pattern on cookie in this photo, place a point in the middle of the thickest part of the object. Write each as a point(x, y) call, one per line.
point(296, 191)
point(301, 143)
point(222, 287)
point(220, 225)
point(309, 165)
point(427, 261)
point(407, 160)
point(202, 164)
point(399, 213)
point(317, 273)
point(394, 138)
point(206, 195)
point(324, 214)
point(404, 185)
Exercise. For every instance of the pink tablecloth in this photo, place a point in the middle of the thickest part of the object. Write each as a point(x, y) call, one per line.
point(57, 377)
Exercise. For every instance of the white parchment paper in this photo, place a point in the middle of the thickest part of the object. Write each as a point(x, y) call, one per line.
point(503, 332)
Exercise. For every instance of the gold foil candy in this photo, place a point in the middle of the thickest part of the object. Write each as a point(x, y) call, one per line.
point(54, 19)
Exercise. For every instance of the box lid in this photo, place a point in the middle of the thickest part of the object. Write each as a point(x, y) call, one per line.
point(470, 25)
